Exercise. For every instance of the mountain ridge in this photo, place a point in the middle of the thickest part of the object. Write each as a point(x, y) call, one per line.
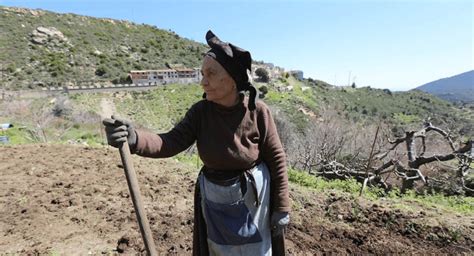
point(457, 88)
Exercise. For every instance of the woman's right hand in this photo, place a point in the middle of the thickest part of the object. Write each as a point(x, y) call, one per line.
point(278, 222)
point(118, 131)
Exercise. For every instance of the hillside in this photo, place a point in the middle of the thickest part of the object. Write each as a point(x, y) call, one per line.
point(73, 200)
point(41, 48)
point(458, 88)
point(365, 105)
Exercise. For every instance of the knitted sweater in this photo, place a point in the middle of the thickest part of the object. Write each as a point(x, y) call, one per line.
point(227, 139)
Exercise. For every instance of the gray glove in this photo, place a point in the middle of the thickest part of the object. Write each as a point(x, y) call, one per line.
point(278, 222)
point(118, 131)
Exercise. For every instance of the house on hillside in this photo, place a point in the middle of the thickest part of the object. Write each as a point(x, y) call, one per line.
point(297, 73)
point(180, 75)
point(273, 71)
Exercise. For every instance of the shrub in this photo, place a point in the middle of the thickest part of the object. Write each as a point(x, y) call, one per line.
point(262, 75)
point(125, 79)
point(263, 89)
point(373, 110)
point(387, 91)
point(11, 68)
point(101, 71)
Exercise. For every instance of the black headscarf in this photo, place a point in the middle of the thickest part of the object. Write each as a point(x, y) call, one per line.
point(236, 61)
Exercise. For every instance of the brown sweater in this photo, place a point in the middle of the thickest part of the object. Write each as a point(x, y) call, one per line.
point(227, 139)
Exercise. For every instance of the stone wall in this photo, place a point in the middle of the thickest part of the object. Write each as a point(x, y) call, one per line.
point(45, 92)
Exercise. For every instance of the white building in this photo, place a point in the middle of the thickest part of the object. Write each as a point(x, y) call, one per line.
point(273, 71)
point(297, 73)
point(166, 76)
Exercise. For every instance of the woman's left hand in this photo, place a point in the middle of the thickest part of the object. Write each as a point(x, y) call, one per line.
point(278, 222)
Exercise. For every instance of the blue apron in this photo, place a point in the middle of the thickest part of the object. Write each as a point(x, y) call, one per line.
point(236, 224)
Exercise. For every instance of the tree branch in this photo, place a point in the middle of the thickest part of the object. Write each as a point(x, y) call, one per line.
point(465, 187)
point(424, 160)
point(410, 146)
point(384, 166)
point(430, 127)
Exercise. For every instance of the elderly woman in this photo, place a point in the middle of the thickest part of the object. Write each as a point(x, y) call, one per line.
point(241, 199)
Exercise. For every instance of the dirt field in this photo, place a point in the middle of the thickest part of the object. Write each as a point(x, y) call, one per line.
point(73, 200)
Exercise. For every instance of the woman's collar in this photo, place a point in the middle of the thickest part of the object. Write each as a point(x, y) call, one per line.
point(240, 104)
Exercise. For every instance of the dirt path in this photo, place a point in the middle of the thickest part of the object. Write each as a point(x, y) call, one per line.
point(73, 200)
point(107, 108)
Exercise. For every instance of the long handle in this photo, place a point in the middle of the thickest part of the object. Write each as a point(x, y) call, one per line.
point(132, 182)
point(278, 245)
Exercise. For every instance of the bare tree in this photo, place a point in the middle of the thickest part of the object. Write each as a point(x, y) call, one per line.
point(327, 138)
point(411, 172)
point(37, 117)
point(337, 149)
point(323, 141)
point(41, 116)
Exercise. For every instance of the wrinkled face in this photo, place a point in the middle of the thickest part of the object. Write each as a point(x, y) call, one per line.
point(217, 83)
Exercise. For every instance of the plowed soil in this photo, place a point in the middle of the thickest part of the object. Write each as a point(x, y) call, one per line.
point(74, 200)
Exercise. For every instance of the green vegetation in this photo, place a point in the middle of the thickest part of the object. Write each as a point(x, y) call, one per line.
point(403, 118)
point(86, 133)
point(454, 203)
point(405, 110)
point(290, 100)
point(160, 109)
point(449, 203)
point(16, 135)
point(93, 50)
point(262, 75)
point(320, 184)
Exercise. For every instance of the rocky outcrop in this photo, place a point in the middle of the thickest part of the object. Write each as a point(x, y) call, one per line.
point(43, 35)
point(23, 11)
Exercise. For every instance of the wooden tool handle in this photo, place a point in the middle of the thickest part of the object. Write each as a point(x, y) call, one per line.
point(132, 182)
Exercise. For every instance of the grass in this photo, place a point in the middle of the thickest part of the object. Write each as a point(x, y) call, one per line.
point(320, 184)
point(160, 109)
point(53, 252)
point(459, 204)
point(456, 204)
point(16, 135)
point(85, 133)
point(87, 101)
point(189, 159)
point(290, 101)
point(403, 118)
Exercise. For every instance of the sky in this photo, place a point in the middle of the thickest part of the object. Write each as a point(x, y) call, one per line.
point(397, 45)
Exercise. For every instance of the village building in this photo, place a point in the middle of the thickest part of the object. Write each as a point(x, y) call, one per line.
point(273, 71)
point(179, 75)
point(297, 73)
